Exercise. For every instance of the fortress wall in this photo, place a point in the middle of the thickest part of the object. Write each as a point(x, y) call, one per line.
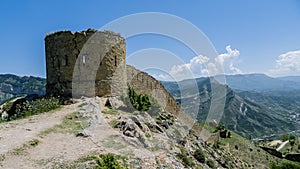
point(93, 63)
point(146, 84)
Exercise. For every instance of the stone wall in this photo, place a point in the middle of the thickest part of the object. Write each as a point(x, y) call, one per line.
point(146, 84)
point(272, 151)
point(293, 157)
point(86, 63)
point(93, 63)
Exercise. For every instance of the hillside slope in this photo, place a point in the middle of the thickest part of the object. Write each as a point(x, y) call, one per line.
point(262, 83)
point(243, 116)
point(76, 135)
point(12, 86)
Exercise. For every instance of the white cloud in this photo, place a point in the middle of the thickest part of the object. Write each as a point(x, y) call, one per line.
point(230, 54)
point(287, 64)
point(179, 72)
point(234, 69)
point(226, 60)
point(205, 66)
point(210, 70)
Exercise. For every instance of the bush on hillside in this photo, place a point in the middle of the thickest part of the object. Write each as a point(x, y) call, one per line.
point(211, 163)
point(285, 165)
point(187, 161)
point(108, 161)
point(23, 108)
point(139, 101)
point(199, 156)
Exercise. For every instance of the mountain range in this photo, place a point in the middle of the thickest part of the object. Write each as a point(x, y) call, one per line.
point(262, 82)
point(12, 86)
point(254, 104)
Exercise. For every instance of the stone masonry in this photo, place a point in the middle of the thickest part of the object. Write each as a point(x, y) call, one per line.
point(85, 63)
point(92, 63)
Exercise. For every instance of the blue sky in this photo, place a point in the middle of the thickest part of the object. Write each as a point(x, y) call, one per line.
point(262, 36)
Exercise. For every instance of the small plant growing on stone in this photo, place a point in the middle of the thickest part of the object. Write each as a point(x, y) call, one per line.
point(111, 112)
point(147, 135)
point(139, 101)
point(199, 156)
point(187, 161)
point(34, 142)
point(114, 123)
point(211, 163)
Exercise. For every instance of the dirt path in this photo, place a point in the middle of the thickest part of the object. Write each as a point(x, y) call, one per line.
point(61, 149)
point(282, 145)
point(16, 133)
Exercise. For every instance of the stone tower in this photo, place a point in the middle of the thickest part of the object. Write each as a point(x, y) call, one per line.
point(88, 63)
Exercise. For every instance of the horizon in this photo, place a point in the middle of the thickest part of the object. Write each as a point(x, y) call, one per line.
point(247, 42)
point(1, 74)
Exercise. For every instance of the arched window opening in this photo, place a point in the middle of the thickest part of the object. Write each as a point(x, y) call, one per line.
point(64, 61)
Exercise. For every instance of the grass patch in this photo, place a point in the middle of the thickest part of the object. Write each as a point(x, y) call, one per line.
point(285, 165)
point(22, 149)
point(114, 123)
point(82, 104)
point(110, 111)
point(2, 157)
point(71, 124)
point(247, 151)
point(111, 143)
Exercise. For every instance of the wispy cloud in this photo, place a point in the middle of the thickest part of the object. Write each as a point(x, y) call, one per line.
point(287, 64)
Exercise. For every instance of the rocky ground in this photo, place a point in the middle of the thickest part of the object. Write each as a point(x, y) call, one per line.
point(65, 138)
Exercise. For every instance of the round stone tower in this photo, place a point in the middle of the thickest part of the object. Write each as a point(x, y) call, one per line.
point(88, 63)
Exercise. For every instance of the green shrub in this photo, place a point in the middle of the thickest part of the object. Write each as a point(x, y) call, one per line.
point(218, 128)
point(43, 105)
point(34, 142)
point(284, 137)
point(187, 161)
point(139, 101)
point(285, 165)
point(108, 161)
point(199, 156)
point(147, 135)
point(114, 123)
point(211, 163)
point(292, 137)
point(26, 108)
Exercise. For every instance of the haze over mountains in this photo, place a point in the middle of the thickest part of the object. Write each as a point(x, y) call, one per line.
point(255, 104)
point(262, 82)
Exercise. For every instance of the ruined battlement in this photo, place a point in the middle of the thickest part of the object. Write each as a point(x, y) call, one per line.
point(146, 84)
point(92, 63)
